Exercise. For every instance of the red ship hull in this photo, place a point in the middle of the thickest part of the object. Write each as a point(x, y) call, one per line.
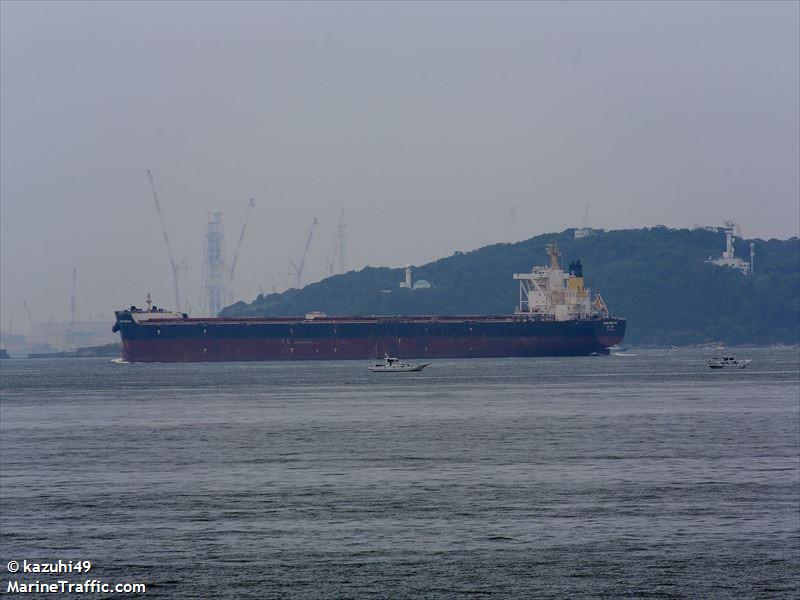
point(192, 340)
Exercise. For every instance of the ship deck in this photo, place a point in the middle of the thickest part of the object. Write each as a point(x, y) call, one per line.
point(353, 319)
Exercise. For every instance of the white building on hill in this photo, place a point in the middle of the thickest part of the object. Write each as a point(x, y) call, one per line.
point(728, 259)
point(421, 284)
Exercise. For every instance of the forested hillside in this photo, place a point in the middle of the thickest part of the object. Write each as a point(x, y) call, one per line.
point(655, 278)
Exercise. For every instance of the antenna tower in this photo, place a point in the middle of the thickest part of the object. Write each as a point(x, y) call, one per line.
point(215, 272)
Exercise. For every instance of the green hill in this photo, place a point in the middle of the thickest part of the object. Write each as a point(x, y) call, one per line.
point(655, 278)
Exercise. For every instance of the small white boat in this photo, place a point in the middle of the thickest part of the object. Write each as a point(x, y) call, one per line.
point(728, 361)
point(395, 365)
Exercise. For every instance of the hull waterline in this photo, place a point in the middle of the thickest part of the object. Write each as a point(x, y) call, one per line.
point(195, 340)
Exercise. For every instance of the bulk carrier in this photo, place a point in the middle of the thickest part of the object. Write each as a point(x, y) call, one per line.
point(556, 316)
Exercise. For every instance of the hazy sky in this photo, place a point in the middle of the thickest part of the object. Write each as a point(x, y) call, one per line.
point(436, 126)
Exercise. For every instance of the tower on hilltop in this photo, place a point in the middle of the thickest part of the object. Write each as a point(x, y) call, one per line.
point(215, 271)
point(728, 259)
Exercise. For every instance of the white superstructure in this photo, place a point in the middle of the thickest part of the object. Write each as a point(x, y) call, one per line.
point(728, 259)
point(410, 284)
point(552, 294)
point(407, 282)
point(152, 312)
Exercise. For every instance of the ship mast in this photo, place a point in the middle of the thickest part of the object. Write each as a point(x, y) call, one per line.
point(552, 250)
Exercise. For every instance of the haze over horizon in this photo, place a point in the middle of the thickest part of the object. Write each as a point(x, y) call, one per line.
point(436, 127)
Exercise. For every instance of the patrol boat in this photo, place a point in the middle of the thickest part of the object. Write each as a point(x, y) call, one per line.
point(729, 361)
point(391, 364)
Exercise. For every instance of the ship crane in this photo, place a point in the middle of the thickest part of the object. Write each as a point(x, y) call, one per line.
point(250, 205)
point(175, 266)
point(298, 270)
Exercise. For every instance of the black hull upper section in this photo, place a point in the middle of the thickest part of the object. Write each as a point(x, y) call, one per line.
point(184, 340)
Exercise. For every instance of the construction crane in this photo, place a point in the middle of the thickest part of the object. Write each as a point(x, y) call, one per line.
point(28, 310)
point(336, 261)
point(298, 271)
point(247, 210)
point(47, 333)
point(341, 235)
point(175, 266)
point(73, 295)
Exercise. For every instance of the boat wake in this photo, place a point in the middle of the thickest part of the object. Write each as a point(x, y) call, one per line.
point(120, 361)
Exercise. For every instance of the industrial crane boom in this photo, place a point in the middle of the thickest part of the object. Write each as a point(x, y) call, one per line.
point(341, 234)
point(298, 271)
point(175, 266)
point(28, 310)
point(72, 298)
point(334, 265)
point(47, 333)
point(250, 205)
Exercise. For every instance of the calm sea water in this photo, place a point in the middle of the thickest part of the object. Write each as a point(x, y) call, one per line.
point(644, 476)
